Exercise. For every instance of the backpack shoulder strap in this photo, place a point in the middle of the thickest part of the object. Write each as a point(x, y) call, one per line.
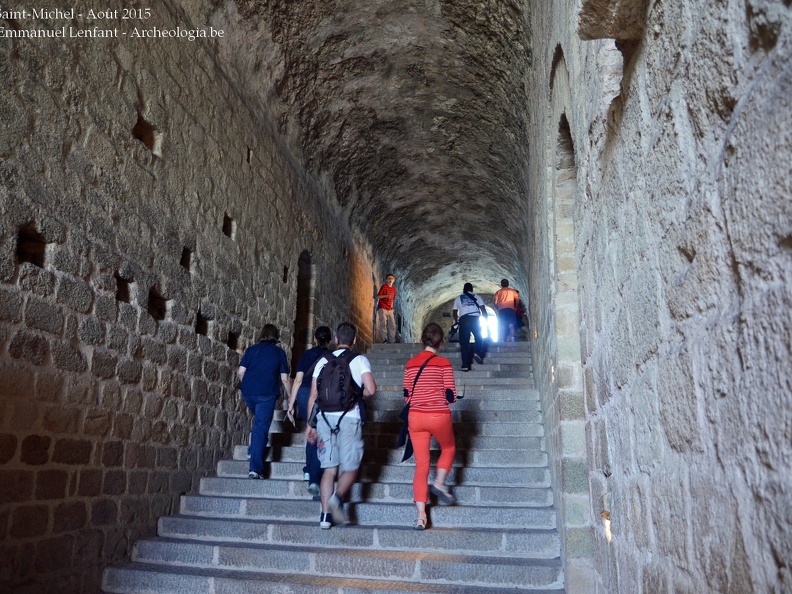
point(347, 354)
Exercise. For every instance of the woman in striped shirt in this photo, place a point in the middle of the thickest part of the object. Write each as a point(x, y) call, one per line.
point(429, 417)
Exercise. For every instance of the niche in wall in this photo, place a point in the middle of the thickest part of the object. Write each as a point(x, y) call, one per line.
point(233, 340)
point(186, 259)
point(229, 227)
point(148, 134)
point(157, 304)
point(31, 246)
point(122, 289)
point(201, 324)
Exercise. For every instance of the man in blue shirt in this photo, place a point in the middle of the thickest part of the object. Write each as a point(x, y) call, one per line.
point(262, 369)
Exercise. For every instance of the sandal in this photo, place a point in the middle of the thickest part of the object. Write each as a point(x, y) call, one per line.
point(443, 497)
point(420, 524)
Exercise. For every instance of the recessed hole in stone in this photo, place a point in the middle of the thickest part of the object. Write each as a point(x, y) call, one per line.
point(233, 340)
point(229, 226)
point(157, 304)
point(249, 155)
point(122, 289)
point(606, 524)
point(201, 325)
point(148, 134)
point(31, 246)
point(186, 258)
point(285, 274)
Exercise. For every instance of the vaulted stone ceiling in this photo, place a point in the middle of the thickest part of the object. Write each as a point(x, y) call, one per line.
point(414, 110)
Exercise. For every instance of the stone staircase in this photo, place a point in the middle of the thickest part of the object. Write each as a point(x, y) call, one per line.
point(243, 535)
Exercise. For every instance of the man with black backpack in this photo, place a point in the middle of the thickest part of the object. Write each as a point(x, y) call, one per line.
point(340, 382)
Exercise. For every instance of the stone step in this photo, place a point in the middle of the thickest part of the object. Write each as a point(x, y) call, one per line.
point(388, 440)
point(398, 492)
point(464, 430)
point(245, 535)
point(449, 350)
point(368, 513)
point(146, 578)
point(392, 427)
point(471, 378)
point(387, 403)
point(535, 544)
point(338, 561)
point(477, 373)
point(469, 416)
point(493, 362)
point(470, 391)
point(514, 475)
point(391, 455)
point(464, 410)
point(448, 346)
point(408, 351)
point(502, 365)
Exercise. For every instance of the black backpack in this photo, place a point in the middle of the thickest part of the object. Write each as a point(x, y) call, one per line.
point(336, 390)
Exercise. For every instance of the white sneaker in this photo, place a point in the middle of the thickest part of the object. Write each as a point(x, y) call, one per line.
point(325, 521)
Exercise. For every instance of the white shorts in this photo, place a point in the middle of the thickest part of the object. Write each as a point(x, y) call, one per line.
point(345, 448)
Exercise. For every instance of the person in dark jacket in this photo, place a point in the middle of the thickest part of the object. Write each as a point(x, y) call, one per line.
point(301, 392)
point(262, 369)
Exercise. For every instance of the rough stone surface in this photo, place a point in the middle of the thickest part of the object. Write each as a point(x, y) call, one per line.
point(87, 369)
point(681, 226)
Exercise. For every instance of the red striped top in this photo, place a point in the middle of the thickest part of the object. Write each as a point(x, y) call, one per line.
point(386, 303)
point(429, 394)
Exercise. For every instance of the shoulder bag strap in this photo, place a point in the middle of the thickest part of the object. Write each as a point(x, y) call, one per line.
point(417, 375)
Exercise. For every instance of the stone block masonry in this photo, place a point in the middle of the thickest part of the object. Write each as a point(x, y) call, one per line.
point(681, 247)
point(116, 397)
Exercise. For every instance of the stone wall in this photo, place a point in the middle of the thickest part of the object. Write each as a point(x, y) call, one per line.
point(150, 225)
point(682, 255)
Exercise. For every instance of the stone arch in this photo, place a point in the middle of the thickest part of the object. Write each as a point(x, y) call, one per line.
point(304, 314)
point(558, 58)
point(559, 360)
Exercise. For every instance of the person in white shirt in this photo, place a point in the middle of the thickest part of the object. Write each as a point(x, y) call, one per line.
point(339, 435)
point(468, 308)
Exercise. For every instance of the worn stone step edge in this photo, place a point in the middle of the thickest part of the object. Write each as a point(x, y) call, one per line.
point(466, 379)
point(528, 476)
point(388, 440)
point(463, 429)
point(468, 458)
point(503, 541)
point(448, 346)
point(423, 565)
point(466, 404)
point(376, 492)
point(178, 580)
point(369, 513)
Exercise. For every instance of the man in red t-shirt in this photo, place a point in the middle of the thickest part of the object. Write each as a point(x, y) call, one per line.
point(386, 321)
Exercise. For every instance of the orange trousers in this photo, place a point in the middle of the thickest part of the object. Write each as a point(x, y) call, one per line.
point(423, 426)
